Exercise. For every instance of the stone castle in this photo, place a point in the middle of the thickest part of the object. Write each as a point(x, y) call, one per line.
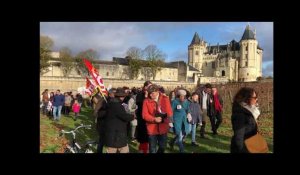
point(238, 61)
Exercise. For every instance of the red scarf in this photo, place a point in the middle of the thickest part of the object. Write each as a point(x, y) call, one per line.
point(218, 106)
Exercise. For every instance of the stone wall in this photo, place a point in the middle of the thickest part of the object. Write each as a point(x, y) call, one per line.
point(71, 84)
point(213, 80)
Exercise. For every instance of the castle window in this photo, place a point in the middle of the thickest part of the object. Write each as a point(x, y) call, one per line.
point(247, 74)
point(223, 73)
point(246, 63)
point(206, 64)
point(246, 56)
point(246, 48)
point(107, 73)
point(213, 65)
point(197, 52)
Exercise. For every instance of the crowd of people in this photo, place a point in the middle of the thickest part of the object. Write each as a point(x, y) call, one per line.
point(55, 104)
point(146, 115)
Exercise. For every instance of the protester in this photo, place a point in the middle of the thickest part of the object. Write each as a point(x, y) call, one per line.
point(76, 109)
point(244, 115)
point(156, 111)
point(115, 137)
point(215, 110)
point(180, 107)
point(196, 116)
point(58, 102)
point(141, 129)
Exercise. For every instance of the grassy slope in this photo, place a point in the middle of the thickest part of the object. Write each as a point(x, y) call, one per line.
point(51, 143)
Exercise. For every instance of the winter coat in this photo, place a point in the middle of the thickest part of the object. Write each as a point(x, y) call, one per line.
point(149, 111)
point(195, 112)
point(68, 100)
point(201, 100)
point(244, 126)
point(100, 115)
point(180, 115)
point(58, 100)
point(76, 107)
point(115, 124)
point(45, 97)
point(211, 107)
point(141, 129)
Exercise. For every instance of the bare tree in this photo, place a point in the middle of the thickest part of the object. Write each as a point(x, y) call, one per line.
point(67, 62)
point(46, 44)
point(135, 53)
point(134, 56)
point(90, 55)
point(155, 59)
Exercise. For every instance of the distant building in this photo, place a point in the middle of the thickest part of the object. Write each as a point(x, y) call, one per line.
point(54, 54)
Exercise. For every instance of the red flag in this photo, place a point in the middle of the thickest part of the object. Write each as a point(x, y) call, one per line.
point(90, 87)
point(96, 76)
point(88, 83)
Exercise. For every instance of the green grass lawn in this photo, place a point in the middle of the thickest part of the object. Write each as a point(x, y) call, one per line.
point(51, 143)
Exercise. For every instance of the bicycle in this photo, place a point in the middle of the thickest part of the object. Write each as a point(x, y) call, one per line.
point(73, 146)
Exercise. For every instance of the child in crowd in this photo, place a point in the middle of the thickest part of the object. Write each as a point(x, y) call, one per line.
point(76, 109)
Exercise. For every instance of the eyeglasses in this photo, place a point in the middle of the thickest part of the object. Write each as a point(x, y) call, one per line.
point(254, 98)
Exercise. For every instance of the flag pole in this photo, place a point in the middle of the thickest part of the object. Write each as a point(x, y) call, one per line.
point(99, 89)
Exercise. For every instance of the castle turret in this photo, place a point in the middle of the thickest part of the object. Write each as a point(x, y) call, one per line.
point(196, 50)
point(249, 61)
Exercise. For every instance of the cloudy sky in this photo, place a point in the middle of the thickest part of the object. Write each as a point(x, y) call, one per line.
point(112, 39)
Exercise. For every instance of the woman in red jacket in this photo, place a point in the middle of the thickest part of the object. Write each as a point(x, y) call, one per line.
point(156, 112)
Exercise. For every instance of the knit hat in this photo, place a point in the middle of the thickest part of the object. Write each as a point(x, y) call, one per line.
point(181, 92)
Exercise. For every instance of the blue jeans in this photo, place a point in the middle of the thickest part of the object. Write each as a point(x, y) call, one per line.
point(179, 141)
point(161, 140)
point(56, 112)
point(194, 126)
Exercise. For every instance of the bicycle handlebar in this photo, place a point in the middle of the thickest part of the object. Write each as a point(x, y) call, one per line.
point(73, 131)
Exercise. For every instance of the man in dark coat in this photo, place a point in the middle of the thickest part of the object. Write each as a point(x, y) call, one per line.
point(115, 135)
point(100, 114)
point(141, 129)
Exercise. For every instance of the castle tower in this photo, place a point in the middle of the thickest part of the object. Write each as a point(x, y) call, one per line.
point(195, 52)
point(250, 61)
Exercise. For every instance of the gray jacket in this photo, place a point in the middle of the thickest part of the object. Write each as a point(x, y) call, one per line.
point(195, 112)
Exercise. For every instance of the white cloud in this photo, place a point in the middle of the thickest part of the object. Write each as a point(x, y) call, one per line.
point(112, 39)
point(108, 39)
